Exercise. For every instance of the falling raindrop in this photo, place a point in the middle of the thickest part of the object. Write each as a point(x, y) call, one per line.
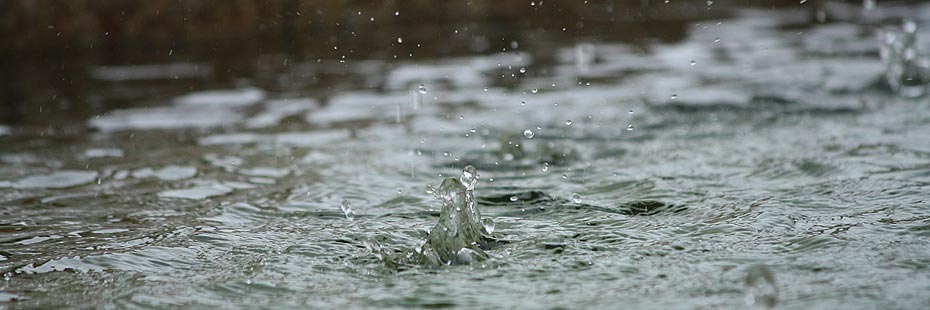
point(529, 134)
point(347, 210)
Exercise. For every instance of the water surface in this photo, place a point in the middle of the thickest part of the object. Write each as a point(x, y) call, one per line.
point(757, 160)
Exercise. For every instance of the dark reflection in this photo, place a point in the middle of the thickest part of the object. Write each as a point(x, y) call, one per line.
point(52, 47)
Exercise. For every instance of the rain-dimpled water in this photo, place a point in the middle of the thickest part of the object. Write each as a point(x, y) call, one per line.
point(721, 157)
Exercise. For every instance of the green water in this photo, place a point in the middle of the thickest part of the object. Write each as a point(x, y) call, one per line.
point(757, 162)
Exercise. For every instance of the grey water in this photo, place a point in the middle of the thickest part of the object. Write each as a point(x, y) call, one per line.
point(760, 159)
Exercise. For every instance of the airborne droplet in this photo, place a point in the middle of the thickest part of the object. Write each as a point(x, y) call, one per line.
point(529, 134)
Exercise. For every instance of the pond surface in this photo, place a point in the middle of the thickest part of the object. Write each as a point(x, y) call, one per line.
point(756, 160)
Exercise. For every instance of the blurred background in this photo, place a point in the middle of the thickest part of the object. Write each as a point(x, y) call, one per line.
point(54, 54)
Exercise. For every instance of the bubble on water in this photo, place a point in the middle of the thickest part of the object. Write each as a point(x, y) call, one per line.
point(534, 90)
point(568, 122)
point(576, 198)
point(629, 127)
point(514, 198)
point(347, 210)
point(522, 70)
point(422, 89)
point(761, 290)
point(529, 134)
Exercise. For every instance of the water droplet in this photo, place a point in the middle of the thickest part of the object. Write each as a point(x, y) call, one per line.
point(422, 89)
point(400, 40)
point(629, 127)
point(576, 198)
point(529, 134)
point(469, 177)
point(534, 90)
point(545, 167)
point(522, 70)
point(693, 62)
point(514, 198)
point(488, 225)
point(347, 210)
point(716, 40)
point(568, 122)
point(802, 1)
point(396, 13)
point(630, 113)
point(674, 96)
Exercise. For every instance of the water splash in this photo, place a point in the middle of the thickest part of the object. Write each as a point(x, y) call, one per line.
point(584, 56)
point(347, 210)
point(761, 292)
point(456, 238)
point(907, 69)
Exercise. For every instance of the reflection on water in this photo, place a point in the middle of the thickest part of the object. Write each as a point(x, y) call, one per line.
point(732, 159)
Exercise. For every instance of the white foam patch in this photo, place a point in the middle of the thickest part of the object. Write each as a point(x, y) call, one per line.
point(234, 97)
point(59, 179)
point(103, 153)
point(165, 118)
point(199, 192)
